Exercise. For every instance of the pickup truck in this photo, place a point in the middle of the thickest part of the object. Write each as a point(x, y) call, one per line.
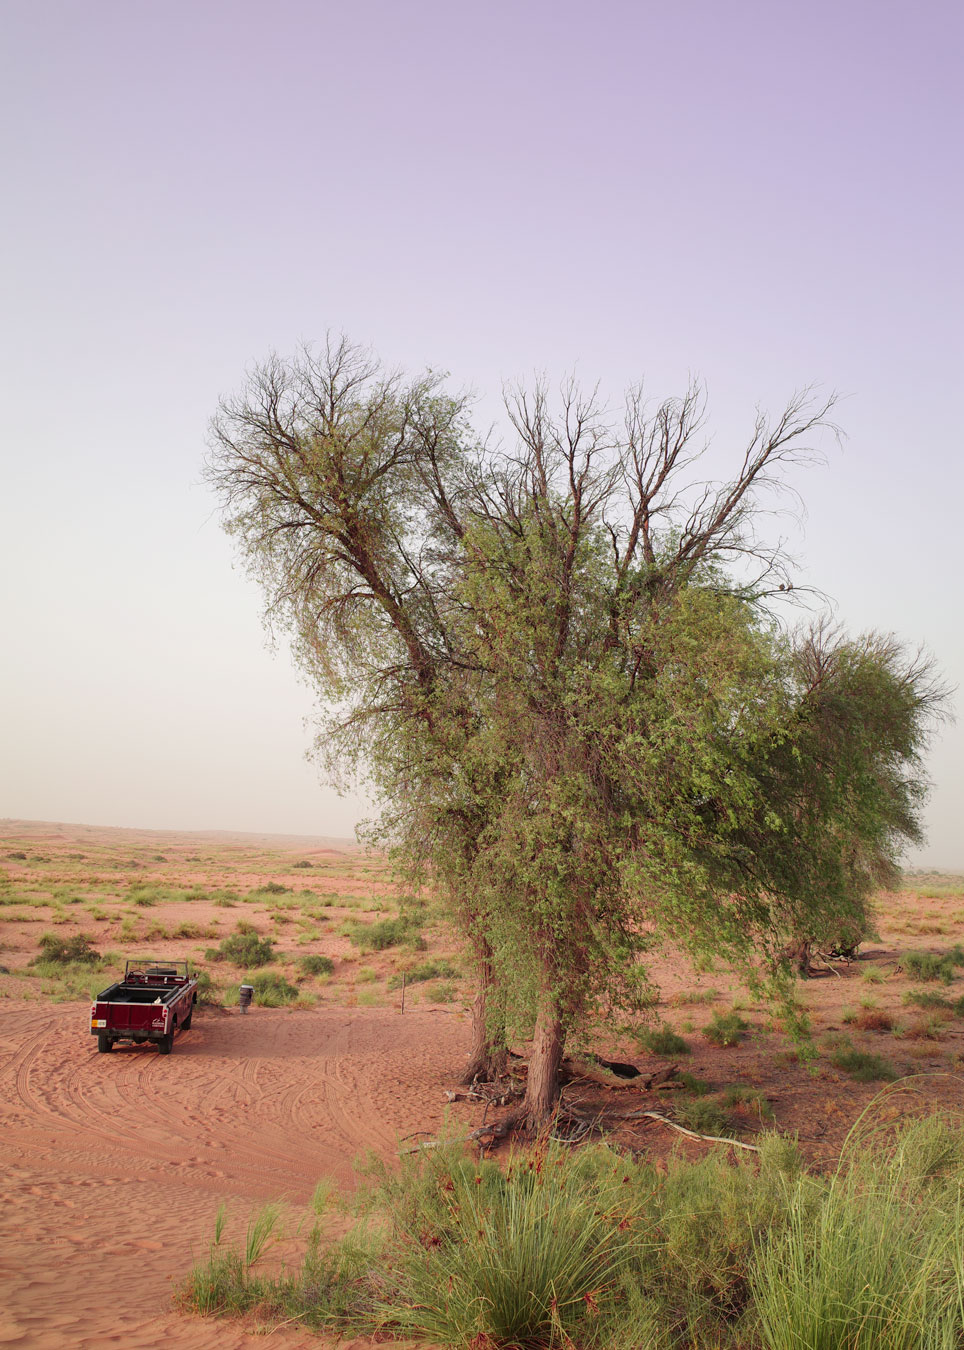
point(153, 1000)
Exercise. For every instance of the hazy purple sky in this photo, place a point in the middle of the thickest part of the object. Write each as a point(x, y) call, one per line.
point(765, 194)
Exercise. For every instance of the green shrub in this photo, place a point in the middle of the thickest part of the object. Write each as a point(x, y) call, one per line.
point(873, 1261)
point(317, 965)
point(703, 1115)
point(74, 950)
point(725, 1028)
point(687, 996)
point(748, 1099)
point(863, 1066)
point(207, 990)
point(695, 1085)
point(438, 969)
point(243, 949)
point(926, 998)
point(271, 888)
point(271, 990)
point(590, 1249)
point(927, 966)
point(302, 862)
point(662, 1041)
point(378, 936)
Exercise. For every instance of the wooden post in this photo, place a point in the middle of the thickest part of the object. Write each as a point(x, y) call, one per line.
point(403, 991)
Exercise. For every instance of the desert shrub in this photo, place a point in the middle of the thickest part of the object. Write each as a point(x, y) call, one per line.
point(689, 1083)
point(524, 1257)
point(207, 990)
point(872, 974)
point(662, 1041)
point(439, 969)
point(928, 966)
point(145, 896)
point(443, 992)
point(243, 949)
point(316, 965)
point(687, 996)
point(862, 1065)
point(302, 862)
point(74, 950)
point(725, 1028)
point(271, 989)
point(926, 998)
point(873, 1019)
point(702, 1114)
point(382, 934)
point(872, 1260)
point(588, 1248)
point(930, 1028)
point(271, 888)
point(747, 1099)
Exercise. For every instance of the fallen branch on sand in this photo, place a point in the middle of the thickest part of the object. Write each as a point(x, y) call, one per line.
point(692, 1134)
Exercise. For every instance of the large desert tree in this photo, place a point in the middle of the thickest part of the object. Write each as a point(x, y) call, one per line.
point(558, 660)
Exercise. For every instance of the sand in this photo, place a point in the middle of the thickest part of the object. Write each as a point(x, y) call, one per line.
point(114, 1165)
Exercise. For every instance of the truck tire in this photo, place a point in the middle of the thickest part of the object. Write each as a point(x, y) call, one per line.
point(104, 1043)
point(166, 1043)
point(186, 1024)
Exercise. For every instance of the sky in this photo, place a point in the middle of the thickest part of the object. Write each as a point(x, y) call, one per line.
point(762, 195)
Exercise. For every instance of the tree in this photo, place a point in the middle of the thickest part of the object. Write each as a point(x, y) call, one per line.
point(560, 665)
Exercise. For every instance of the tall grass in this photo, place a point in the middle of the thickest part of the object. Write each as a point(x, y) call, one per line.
point(590, 1250)
point(877, 1264)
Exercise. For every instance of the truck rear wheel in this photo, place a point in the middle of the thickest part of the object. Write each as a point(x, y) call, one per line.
point(186, 1024)
point(104, 1043)
point(166, 1043)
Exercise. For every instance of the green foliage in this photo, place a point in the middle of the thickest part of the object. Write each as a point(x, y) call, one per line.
point(207, 990)
point(437, 968)
point(243, 949)
point(662, 1041)
point(271, 888)
point(271, 989)
point(384, 933)
point(926, 998)
point(748, 1099)
point(725, 1028)
point(692, 1084)
point(316, 965)
point(587, 1248)
point(76, 950)
point(862, 1065)
point(704, 1115)
point(928, 966)
point(564, 679)
point(876, 1264)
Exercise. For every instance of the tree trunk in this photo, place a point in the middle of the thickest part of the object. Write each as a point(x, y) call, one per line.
point(542, 1084)
point(488, 1058)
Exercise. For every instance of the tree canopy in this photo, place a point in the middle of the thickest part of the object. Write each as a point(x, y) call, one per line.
point(558, 661)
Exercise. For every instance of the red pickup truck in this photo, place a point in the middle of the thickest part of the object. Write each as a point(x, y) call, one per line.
point(153, 1000)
